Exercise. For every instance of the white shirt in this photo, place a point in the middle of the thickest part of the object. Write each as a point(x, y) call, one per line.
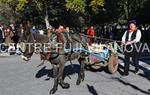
point(41, 32)
point(137, 38)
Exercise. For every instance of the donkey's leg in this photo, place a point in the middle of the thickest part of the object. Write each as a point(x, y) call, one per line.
point(81, 74)
point(62, 83)
point(60, 75)
point(55, 73)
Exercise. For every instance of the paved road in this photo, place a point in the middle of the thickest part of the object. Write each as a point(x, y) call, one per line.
point(20, 78)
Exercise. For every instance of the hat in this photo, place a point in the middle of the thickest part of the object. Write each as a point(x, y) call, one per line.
point(133, 22)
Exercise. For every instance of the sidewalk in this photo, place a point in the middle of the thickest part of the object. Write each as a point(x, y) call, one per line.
point(4, 54)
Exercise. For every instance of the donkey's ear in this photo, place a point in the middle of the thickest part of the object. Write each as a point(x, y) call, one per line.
point(26, 28)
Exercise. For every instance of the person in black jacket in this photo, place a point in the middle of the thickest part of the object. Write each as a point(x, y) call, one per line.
point(131, 39)
point(2, 35)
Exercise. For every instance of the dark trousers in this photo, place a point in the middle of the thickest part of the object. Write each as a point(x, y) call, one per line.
point(134, 56)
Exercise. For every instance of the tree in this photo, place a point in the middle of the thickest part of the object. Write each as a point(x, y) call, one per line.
point(143, 14)
point(10, 7)
point(53, 9)
point(96, 5)
point(78, 11)
point(80, 5)
point(131, 9)
point(76, 5)
point(6, 14)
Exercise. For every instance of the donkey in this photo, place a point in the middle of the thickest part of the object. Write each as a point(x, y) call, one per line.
point(57, 58)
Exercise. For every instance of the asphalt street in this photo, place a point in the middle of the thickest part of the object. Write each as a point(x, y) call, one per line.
point(18, 77)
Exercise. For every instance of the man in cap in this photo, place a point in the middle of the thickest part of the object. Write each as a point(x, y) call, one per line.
point(131, 39)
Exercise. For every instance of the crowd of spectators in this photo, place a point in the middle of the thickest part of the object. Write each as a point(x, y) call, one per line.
point(12, 32)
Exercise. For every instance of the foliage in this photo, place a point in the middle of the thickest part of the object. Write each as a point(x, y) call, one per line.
point(21, 5)
point(76, 5)
point(71, 11)
point(96, 5)
point(6, 14)
point(80, 5)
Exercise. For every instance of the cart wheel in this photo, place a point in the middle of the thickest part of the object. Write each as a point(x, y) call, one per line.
point(113, 63)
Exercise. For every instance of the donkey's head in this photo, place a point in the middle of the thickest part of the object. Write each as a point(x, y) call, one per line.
point(26, 43)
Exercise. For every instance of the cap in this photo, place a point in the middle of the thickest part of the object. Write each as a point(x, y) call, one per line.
point(133, 22)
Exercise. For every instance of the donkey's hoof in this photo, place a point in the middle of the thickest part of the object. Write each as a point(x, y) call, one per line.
point(82, 79)
point(78, 82)
point(52, 91)
point(65, 85)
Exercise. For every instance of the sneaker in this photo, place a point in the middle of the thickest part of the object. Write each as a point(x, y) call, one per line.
point(125, 76)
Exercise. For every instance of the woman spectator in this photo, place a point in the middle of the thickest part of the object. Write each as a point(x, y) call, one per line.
point(8, 38)
point(8, 35)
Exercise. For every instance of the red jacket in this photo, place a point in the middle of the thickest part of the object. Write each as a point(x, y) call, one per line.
point(90, 32)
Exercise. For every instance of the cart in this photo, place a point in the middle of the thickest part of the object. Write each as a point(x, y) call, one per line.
point(103, 55)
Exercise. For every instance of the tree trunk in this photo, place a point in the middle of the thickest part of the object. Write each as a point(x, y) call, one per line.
point(47, 22)
point(126, 10)
point(46, 15)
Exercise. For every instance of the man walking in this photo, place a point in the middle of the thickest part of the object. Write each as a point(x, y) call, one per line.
point(131, 39)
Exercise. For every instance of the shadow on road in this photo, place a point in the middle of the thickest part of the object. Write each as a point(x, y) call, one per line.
point(133, 86)
point(92, 90)
point(69, 70)
point(96, 70)
point(145, 76)
point(44, 72)
point(144, 57)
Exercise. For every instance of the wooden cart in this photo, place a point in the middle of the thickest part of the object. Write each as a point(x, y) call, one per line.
point(103, 55)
